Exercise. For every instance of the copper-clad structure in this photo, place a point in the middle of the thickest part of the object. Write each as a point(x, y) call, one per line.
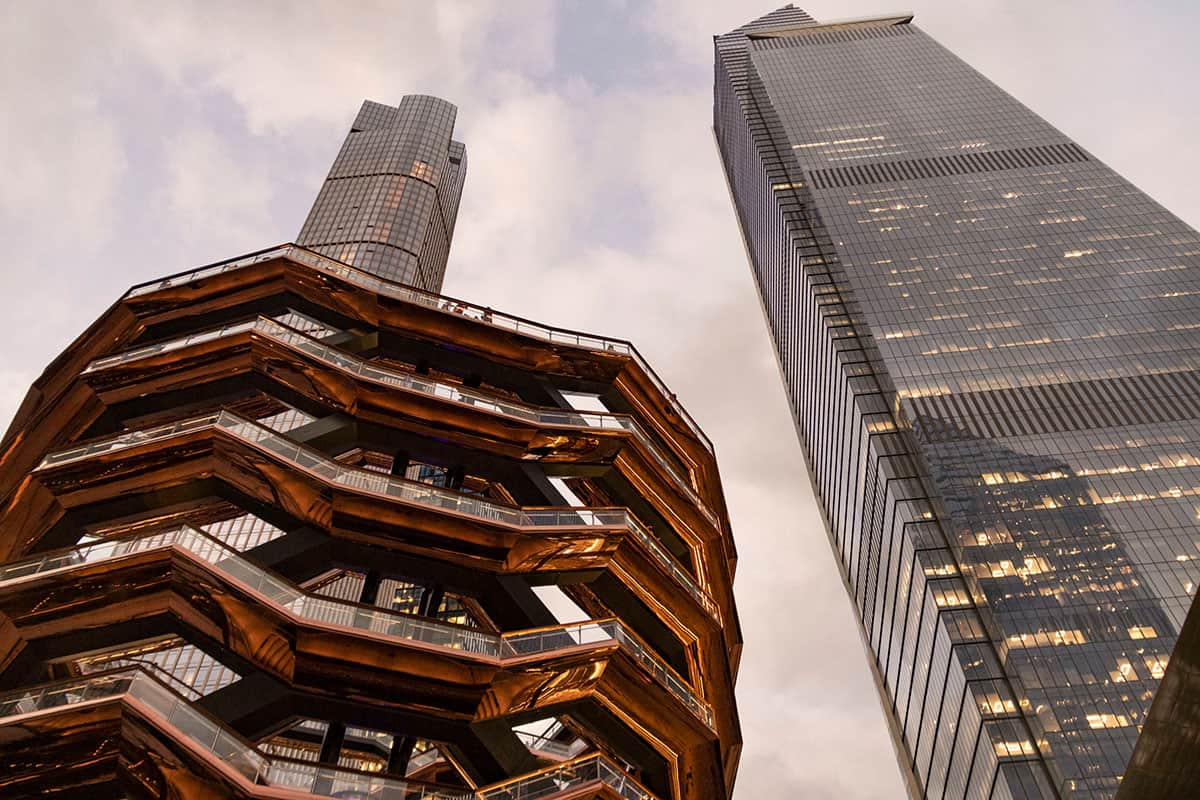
point(280, 527)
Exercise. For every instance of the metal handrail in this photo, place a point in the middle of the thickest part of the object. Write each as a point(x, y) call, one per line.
point(438, 302)
point(256, 767)
point(394, 488)
point(376, 373)
point(380, 621)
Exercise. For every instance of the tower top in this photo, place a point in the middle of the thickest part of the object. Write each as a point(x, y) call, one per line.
point(390, 201)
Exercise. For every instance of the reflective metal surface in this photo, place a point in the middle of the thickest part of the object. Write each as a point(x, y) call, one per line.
point(460, 308)
point(452, 392)
point(513, 646)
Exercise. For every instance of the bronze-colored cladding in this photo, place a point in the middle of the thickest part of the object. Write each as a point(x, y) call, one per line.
point(351, 394)
point(482, 545)
point(66, 753)
point(371, 401)
point(165, 467)
point(423, 414)
point(154, 468)
point(129, 739)
point(286, 274)
point(633, 706)
point(190, 596)
point(194, 596)
point(638, 468)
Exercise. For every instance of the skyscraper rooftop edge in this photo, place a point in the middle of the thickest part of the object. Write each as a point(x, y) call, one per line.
point(903, 18)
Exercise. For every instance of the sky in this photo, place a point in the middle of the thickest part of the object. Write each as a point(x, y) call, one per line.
point(144, 138)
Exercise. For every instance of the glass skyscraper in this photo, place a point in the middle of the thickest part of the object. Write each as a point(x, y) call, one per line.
point(391, 198)
point(991, 346)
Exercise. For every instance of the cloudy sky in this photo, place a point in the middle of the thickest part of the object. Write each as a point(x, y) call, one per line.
point(140, 139)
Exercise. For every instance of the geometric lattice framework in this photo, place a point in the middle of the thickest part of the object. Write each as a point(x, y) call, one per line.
point(990, 344)
point(279, 526)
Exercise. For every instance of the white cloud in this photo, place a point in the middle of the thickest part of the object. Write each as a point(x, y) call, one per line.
point(60, 148)
point(528, 180)
point(290, 64)
point(211, 192)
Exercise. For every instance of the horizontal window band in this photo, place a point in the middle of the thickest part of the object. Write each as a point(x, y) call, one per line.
point(1059, 408)
point(943, 166)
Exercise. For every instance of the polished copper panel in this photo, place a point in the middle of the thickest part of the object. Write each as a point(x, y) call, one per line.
point(284, 273)
point(134, 739)
point(370, 401)
point(195, 597)
point(173, 464)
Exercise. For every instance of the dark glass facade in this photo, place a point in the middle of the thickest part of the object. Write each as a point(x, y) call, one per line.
point(991, 347)
point(391, 198)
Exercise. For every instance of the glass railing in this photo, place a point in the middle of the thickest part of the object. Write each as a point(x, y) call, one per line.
point(446, 391)
point(166, 347)
point(568, 776)
point(209, 271)
point(393, 624)
point(209, 736)
point(423, 759)
point(543, 640)
point(358, 737)
point(381, 286)
point(396, 488)
point(81, 690)
point(431, 754)
point(239, 756)
point(127, 440)
point(333, 782)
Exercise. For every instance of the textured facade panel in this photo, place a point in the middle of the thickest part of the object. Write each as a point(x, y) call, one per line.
point(391, 198)
point(989, 343)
